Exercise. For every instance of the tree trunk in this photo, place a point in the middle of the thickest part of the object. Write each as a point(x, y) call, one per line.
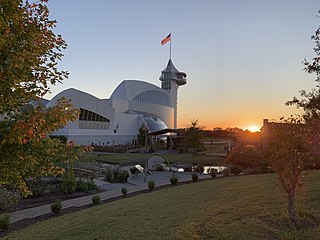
point(291, 208)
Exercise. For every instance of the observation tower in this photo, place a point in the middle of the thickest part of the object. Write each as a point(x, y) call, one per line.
point(171, 79)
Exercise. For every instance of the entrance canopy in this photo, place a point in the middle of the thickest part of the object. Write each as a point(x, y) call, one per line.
point(163, 131)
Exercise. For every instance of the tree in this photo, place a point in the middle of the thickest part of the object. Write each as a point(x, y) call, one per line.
point(29, 54)
point(246, 156)
point(310, 101)
point(294, 138)
point(287, 154)
point(193, 137)
point(142, 135)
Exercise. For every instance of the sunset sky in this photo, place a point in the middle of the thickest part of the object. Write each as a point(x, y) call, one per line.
point(243, 58)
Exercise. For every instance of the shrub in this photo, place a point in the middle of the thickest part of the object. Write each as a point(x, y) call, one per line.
point(36, 189)
point(86, 186)
point(174, 180)
point(133, 170)
point(195, 177)
point(255, 170)
point(199, 168)
point(150, 150)
point(8, 199)
point(4, 222)
point(56, 207)
point(92, 185)
point(53, 188)
point(124, 191)
point(123, 176)
point(236, 169)
point(82, 187)
point(108, 174)
point(159, 168)
point(226, 172)
point(264, 169)
point(69, 183)
point(213, 172)
point(96, 199)
point(116, 172)
point(151, 185)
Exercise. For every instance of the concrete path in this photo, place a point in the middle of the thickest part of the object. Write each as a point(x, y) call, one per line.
point(135, 184)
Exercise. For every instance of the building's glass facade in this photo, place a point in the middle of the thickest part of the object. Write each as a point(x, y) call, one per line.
point(92, 120)
point(153, 96)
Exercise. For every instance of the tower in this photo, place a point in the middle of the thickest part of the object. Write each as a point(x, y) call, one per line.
point(171, 79)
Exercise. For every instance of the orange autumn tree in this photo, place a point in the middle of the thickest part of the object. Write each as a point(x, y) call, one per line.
point(29, 54)
point(287, 154)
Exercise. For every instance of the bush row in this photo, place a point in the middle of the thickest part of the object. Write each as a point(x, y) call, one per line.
point(116, 175)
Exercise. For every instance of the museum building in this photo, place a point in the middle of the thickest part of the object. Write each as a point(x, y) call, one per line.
point(133, 103)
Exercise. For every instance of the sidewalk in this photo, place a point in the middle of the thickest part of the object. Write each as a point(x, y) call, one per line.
point(111, 190)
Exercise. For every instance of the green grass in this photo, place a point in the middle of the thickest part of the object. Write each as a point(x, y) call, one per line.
point(92, 157)
point(246, 207)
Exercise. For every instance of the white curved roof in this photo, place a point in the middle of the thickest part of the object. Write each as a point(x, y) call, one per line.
point(128, 89)
point(76, 95)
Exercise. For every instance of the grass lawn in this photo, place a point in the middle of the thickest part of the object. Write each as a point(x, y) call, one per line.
point(245, 207)
point(115, 158)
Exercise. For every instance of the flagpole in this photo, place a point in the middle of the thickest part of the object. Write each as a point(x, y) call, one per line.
point(170, 44)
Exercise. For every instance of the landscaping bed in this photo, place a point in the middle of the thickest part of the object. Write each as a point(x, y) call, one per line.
point(31, 201)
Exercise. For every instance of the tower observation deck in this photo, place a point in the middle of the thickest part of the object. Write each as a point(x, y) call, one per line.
point(171, 79)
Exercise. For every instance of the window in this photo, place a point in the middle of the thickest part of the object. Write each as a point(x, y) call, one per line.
point(153, 96)
point(92, 120)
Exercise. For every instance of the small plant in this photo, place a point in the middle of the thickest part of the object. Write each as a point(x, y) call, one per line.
point(123, 176)
point(174, 180)
point(195, 177)
point(108, 174)
point(199, 168)
point(37, 190)
point(124, 191)
point(69, 183)
point(159, 168)
point(133, 170)
point(236, 169)
point(116, 172)
point(226, 172)
point(82, 187)
point(150, 150)
point(264, 169)
point(96, 199)
point(8, 199)
point(56, 207)
point(213, 172)
point(151, 185)
point(86, 186)
point(4, 222)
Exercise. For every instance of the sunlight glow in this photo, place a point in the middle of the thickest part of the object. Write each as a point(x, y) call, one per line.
point(253, 129)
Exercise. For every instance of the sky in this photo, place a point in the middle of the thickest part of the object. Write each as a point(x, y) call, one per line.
point(243, 58)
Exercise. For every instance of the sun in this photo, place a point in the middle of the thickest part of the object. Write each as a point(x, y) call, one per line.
point(253, 128)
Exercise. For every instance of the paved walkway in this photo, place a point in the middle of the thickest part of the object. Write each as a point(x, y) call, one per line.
point(135, 184)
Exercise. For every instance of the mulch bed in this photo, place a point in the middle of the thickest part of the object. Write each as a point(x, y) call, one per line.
point(31, 201)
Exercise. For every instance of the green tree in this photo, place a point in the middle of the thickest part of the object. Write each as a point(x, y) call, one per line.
point(287, 155)
point(310, 101)
point(193, 137)
point(142, 135)
point(29, 54)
